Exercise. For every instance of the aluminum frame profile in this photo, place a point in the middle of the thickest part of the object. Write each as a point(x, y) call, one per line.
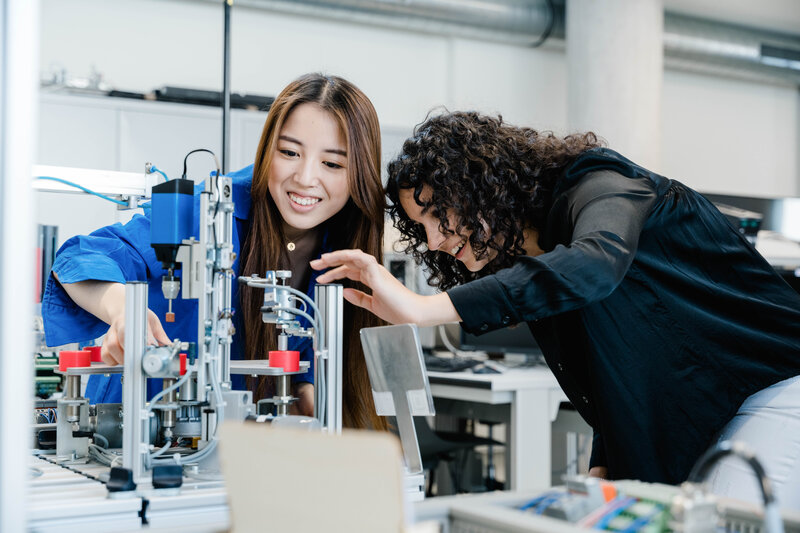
point(330, 301)
point(134, 385)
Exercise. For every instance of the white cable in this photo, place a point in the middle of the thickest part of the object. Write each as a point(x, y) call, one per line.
point(204, 477)
point(296, 299)
point(449, 345)
point(96, 436)
point(158, 452)
point(298, 312)
point(178, 384)
point(212, 443)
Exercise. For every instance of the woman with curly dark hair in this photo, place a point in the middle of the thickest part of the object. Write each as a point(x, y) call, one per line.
point(664, 326)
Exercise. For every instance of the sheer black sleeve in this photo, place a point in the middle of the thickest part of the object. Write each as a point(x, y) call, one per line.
point(606, 212)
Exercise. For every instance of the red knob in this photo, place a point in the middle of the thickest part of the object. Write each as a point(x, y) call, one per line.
point(289, 360)
point(73, 359)
point(95, 351)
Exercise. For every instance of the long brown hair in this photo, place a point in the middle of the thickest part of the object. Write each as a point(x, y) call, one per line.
point(358, 225)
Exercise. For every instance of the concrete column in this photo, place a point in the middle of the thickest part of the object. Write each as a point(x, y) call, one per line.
point(615, 57)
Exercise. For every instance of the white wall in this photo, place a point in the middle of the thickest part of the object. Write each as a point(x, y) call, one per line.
point(730, 136)
point(719, 135)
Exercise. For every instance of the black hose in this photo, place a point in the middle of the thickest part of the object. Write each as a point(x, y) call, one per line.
point(703, 465)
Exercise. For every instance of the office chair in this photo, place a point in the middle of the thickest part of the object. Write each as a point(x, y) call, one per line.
point(440, 446)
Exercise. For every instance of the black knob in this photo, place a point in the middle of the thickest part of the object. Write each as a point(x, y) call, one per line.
point(120, 480)
point(46, 439)
point(167, 476)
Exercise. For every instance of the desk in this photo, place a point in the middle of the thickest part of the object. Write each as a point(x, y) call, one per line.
point(525, 399)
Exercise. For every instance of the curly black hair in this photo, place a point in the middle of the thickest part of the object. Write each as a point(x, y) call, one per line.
point(485, 172)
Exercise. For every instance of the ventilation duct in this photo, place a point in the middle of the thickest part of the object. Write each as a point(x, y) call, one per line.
point(519, 22)
point(719, 48)
point(689, 43)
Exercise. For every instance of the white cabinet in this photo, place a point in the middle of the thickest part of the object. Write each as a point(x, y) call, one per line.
point(76, 132)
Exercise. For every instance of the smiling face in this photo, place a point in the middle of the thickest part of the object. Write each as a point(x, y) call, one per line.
point(308, 173)
point(455, 244)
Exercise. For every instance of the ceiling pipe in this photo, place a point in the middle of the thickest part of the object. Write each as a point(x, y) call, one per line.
point(517, 22)
point(721, 48)
point(690, 43)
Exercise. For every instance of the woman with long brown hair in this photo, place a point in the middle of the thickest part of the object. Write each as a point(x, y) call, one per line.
point(286, 234)
point(315, 186)
point(664, 326)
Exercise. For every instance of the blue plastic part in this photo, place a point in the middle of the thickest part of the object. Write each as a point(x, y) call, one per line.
point(171, 218)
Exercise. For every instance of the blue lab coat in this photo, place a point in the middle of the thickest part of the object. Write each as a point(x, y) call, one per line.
point(120, 253)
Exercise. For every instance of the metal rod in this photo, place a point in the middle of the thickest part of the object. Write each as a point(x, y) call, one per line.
point(283, 342)
point(408, 433)
point(226, 87)
point(72, 393)
point(188, 391)
point(168, 416)
point(282, 393)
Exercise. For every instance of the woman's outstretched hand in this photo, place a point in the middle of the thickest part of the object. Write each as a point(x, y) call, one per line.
point(106, 301)
point(113, 351)
point(390, 299)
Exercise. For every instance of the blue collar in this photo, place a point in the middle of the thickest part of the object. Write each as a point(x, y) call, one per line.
point(242, 181)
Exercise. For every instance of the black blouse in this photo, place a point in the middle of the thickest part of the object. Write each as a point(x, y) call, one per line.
point(657, 317)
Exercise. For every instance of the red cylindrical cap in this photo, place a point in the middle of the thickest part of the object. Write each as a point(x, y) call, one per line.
point(182, 359)
point(71, 359)
point(95, 352)
point(289, 360)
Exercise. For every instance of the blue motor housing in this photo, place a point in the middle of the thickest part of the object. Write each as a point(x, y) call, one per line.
point(171, 218)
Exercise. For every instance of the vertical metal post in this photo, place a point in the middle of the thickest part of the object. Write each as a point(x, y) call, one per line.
point(226, 87)
point(19, 63)
point(202, 282)
point(48, 244)
point(135, 426)
point(282, 391)
point(407, 431)
point(169, 416)
point(214, 305)
point(224, 224)
point(330, 302)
